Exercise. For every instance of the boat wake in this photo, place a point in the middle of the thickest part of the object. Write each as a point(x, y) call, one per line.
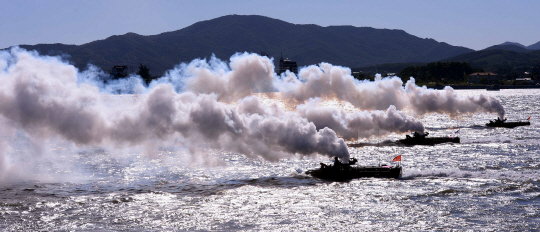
point(495, 139)
point(510, 175)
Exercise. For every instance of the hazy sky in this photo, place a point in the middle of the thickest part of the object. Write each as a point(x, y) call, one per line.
point(475, 24)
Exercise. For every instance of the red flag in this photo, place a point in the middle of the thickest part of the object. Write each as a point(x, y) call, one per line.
point(529, 118)
point(397, 158)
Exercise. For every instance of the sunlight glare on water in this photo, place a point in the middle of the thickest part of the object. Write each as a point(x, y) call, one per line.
point(489, 182)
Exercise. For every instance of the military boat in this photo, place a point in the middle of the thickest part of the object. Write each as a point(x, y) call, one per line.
point(348, 171)
point(420, 139)
point(503, 123)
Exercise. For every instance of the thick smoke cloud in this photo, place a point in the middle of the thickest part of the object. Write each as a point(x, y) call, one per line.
point(202, 120)
point(327, 81)
point(209, 104)
point(348, 125)
point(41, 96)
point(423, 100)
point(48, 99)
point(359, 123)
point(250, 73)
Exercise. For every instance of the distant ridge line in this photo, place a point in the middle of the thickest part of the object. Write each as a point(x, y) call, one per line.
point(224, 36)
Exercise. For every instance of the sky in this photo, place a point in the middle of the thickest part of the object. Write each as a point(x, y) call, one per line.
point(475, 24)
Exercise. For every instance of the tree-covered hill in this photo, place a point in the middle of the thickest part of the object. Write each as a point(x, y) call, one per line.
point(499, 61)
point(307, 44)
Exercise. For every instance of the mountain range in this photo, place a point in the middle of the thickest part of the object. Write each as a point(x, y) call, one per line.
point(224, 36)
point(304, 43)
point(535, 46)
point(501, 61)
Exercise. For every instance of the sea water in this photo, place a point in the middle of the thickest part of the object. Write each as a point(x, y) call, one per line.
point(488, 182)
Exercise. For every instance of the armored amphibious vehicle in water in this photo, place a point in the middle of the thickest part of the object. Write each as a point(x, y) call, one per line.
point(503, 123)
point(347, 171)
point(420, 139)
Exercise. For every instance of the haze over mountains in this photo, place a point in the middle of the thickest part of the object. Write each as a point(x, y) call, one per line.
point(224, 36)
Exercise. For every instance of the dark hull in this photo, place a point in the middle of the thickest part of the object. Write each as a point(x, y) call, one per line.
point(428, 141)
point(344, 174)
point(508, 124)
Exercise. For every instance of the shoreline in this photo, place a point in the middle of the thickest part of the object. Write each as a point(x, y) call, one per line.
point(458, 87)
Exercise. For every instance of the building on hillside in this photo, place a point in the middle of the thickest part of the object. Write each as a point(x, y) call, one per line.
point(484, 78)
point(359, 75)
point(286, 64)
point(524, 81)
point(119, 71)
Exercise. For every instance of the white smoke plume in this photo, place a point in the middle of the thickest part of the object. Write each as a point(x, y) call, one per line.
point(423, 100)
point(359, 123)
point(46, 99)
point(251, 73)
point(347, 125)
point(327, 81)
point(202, 120)
point(248, 74)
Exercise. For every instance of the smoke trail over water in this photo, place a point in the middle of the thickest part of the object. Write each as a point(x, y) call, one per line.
point(202, 120)
point(48, 99)
point(423, 100)
point(327, 81)
point(359, 124)
point(251, 73)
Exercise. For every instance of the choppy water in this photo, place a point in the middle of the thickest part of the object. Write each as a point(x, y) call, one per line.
point(490, 182)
